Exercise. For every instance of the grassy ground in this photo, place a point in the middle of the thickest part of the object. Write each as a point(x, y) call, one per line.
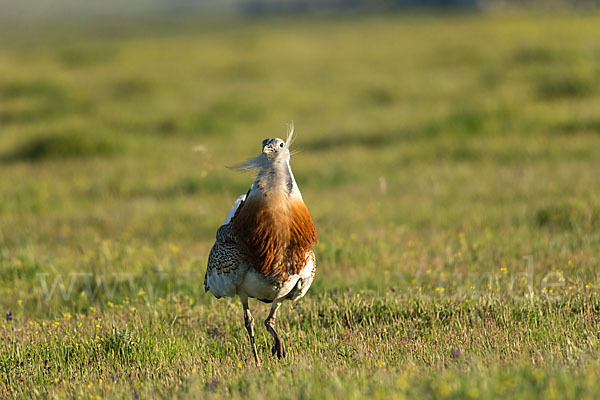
point(436, 153)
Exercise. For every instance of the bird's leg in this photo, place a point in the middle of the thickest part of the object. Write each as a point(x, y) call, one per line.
point(278, 347)
point(249, 322)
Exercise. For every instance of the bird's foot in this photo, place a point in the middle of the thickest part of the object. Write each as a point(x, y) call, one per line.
point(278, 348)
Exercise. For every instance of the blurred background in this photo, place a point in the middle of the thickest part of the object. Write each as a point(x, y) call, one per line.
point(435, 137)
point(71, 8)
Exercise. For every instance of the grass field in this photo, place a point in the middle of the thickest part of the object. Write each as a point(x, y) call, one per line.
point(435, 154)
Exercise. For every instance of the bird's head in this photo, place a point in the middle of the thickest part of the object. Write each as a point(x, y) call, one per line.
point(274, 150)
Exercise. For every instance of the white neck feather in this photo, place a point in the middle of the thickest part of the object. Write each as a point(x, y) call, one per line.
point(276, 179)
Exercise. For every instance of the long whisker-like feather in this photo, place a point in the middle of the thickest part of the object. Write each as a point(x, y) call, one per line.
point(290, 137)
point(252, 163)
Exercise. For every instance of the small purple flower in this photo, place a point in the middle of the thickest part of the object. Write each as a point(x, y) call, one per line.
point(393, 289)
point(9, 316)
point(135, 394)
point(456, 353)
point(213, 384)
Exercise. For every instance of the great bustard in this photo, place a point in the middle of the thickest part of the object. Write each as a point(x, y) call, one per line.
point(264, 247)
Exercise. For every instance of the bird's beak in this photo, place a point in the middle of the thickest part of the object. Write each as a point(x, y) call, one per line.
point(268, 149)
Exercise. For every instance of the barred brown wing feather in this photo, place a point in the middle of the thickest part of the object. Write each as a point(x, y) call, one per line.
point(224, 258)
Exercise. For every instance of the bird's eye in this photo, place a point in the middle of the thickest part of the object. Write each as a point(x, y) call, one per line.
point(280, 144)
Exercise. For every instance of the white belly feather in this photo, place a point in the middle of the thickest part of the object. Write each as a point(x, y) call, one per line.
point(246, 281)
point(226, 285)
point(257, 286)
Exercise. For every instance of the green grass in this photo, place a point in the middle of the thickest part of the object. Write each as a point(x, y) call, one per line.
point(435, 154)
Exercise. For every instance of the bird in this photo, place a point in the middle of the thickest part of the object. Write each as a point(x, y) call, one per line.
point(264, 248)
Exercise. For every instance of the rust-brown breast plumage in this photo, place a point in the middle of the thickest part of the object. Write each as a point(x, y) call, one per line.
point(276, 234)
